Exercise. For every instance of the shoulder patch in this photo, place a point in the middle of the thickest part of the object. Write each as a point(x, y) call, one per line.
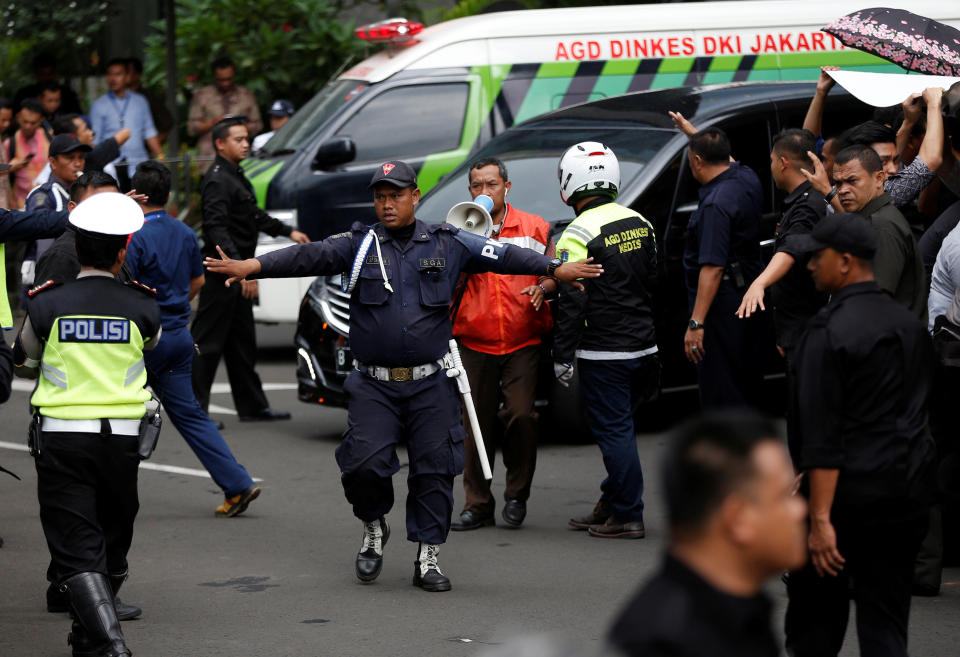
point(444, 226)
point(137, 285)
point(46, 285)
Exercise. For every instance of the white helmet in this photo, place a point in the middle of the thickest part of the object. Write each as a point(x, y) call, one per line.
point(587, 168)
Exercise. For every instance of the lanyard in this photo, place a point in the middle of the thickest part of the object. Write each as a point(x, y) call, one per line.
point(121, 113)
point(154, 215)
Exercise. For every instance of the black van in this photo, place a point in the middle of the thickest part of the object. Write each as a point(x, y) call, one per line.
point(655, 181)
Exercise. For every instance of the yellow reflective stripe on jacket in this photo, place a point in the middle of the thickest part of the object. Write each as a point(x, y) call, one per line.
point(6, 317)
point(576, 237)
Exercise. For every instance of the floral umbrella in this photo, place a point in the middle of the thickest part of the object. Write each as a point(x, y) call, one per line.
point(908, 40)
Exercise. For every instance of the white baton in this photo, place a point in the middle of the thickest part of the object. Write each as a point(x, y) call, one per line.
point(460, 372)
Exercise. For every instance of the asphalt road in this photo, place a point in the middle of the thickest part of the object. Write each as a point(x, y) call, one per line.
point(279, 580)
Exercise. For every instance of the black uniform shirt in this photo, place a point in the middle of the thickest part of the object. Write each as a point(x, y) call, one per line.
point(678, 614)
point(231, 218)
point(862, 370)
point(794, 296)
point(897, 264)
point(410, 325)
point(725, 227)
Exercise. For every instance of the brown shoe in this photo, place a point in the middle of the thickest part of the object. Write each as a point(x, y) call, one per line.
point(598, 516)
point(613, 528)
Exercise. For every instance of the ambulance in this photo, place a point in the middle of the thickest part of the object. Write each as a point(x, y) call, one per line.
point(433, 95)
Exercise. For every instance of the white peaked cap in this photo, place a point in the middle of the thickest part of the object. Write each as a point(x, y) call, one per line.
point(108, 213)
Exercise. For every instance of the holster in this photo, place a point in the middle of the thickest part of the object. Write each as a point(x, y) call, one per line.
point(149, 434)
point(34, 436)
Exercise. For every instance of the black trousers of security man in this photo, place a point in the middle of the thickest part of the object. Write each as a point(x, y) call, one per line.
point(425, 414)
point(224, 326)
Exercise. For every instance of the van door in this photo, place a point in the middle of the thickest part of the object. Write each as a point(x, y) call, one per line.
point(425, 122)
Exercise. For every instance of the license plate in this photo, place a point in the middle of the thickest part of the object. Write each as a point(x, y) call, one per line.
point(342, 359)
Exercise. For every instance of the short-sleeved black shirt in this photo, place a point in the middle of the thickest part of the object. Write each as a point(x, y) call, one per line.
point(795, 298)
point(725, 228)
point(863, 369)
point(678, 614)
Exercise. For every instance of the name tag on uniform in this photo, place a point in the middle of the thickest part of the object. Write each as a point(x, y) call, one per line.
point(375, 260)
point(94, 329)
point(433, 263)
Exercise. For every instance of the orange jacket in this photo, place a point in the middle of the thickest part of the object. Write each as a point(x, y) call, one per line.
point(494, 317)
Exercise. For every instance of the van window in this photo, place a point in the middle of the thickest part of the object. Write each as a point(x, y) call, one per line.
point(408, 121)
point(311, 117)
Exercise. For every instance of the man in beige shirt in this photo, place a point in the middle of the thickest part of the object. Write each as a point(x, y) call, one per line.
point(212, 103)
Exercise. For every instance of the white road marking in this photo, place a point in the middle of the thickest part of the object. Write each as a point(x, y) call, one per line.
point(158, 467)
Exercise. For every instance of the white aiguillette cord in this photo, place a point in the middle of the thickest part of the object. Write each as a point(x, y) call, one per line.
point(368, 239)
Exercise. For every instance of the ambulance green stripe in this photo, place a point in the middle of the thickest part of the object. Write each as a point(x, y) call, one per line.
point(552, 81)
point(615, 78)
point(490, 80)
point(261, 182)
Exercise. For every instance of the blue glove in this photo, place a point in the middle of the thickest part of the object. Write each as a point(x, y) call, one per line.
point(564, 373)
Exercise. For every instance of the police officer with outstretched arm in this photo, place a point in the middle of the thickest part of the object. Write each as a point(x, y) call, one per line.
point(85, 340)
point(404, 272)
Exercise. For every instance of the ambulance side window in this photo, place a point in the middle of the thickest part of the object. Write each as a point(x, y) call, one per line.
point(409, 121)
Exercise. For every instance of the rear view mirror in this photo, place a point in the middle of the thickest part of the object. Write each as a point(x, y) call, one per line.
point(338, 150)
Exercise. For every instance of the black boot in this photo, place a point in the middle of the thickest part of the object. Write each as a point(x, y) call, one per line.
point(96, 630)
point(370, 558)
point(59, 603)
point(426, 571)
point(124, 611)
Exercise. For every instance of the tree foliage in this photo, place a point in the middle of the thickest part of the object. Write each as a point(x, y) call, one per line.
point(281, 49)
point(68, 31)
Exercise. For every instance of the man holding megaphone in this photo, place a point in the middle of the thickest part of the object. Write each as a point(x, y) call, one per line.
point(401, 273)
point(499, 322)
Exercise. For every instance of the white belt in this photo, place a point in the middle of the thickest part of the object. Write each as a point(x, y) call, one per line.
point(119, 427)
point(414, 373)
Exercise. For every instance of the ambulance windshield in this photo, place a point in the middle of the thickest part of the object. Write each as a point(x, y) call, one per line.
point(531, 156)
point(311, 117)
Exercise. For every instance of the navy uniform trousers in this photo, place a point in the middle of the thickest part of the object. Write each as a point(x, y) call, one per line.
point(424, 414)
point(169, 367)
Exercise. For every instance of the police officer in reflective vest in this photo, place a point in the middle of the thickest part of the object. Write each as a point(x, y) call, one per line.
point(405, 272)
point(85, 340)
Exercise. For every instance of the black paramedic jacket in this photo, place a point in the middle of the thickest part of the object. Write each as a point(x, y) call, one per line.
point(231, 218)
point(613, 317)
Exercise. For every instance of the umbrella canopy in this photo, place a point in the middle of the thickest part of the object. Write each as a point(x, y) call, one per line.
point(913, 42)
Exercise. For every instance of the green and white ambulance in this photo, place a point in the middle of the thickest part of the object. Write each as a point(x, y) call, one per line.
point(435, 94)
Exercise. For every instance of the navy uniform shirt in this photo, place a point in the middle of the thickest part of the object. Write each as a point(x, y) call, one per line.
point(863, 369)
point(165, 255)
point(411, 325)
point(795, 298)
point(724, 230)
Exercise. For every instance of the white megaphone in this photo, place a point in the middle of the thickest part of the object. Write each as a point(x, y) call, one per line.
point(473, 216)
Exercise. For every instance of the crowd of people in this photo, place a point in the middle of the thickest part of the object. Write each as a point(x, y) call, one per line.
point(865, 314)
point(115, 132)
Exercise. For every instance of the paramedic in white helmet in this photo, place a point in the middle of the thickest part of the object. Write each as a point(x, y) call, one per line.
point(606, 332)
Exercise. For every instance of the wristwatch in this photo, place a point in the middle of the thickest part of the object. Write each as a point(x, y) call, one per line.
point(552, 266)
point(694, 325)
point(833, 192)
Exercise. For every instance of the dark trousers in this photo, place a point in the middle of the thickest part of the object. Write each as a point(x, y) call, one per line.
point(513, 427)
point(169, 367)
point(879, 571)
point(610, 388)
point(426, 415)
point(224, 326)
point(731, 372)
point(87, 489)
